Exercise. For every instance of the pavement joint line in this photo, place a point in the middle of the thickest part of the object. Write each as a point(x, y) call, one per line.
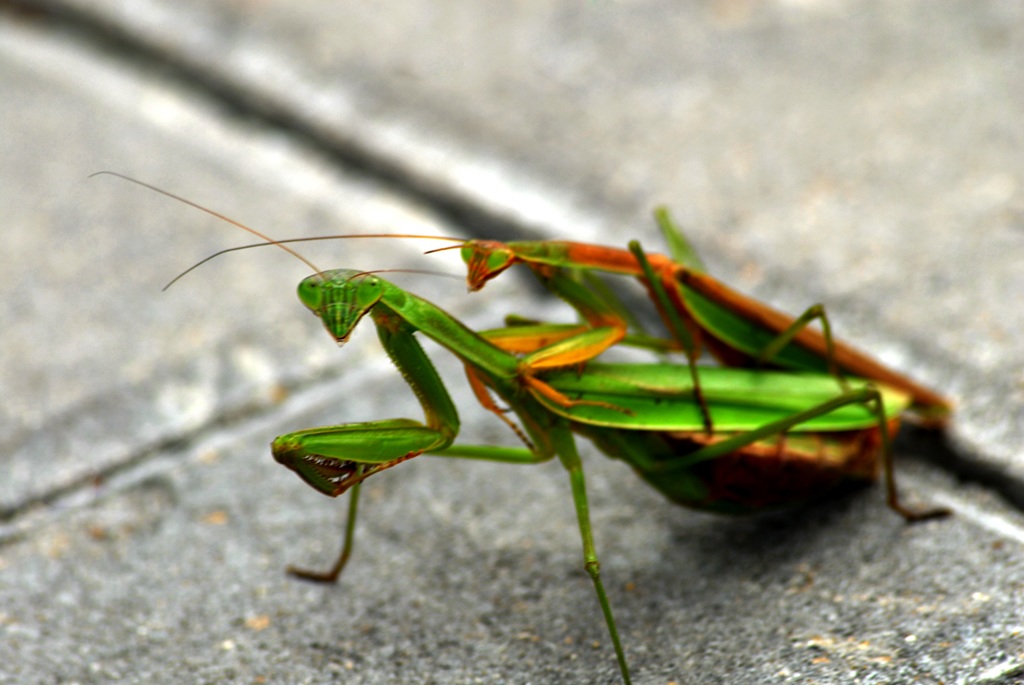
point(966, 510)
point(168, 455)
point(449, 205)
point(124, 473)
point(963, 463)
point(1005, 673)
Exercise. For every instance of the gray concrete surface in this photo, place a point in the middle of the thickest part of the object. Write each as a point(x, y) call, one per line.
point(864, 154)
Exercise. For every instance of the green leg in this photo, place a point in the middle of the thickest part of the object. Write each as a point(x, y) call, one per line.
point(813, 312)
point(607, 295)
point(355, 474)
point(678, 246)
point(566, 447)
point(333, 459)
point(860, 396)
point(505, 455)
point(598, 304)
point(868, 396)
point(678, 329)
point(331, 576)
point(891, 493)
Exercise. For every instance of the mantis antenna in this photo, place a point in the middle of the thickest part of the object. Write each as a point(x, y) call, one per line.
point(281, 243)
point(402, 271)
point(258, 234)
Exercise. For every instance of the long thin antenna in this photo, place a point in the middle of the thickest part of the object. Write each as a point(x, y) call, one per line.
point(445, 248)
point(310, 239)
point(211, 212)
point(404, 271)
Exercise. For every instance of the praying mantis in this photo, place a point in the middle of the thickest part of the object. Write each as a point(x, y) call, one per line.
point(698, 309)
point(643, 414)
point(778, 437)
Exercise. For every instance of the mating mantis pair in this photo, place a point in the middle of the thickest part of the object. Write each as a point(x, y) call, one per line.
point(643, 414)
point(750, 439)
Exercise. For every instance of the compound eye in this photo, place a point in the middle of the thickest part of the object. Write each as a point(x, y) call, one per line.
point(311, 292)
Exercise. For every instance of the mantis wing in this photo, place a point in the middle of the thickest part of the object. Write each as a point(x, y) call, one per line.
point(659, 397)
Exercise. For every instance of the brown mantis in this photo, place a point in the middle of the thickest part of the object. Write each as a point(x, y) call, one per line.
point(698, 309)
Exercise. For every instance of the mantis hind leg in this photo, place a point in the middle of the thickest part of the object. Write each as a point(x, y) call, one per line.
point(892, 497)
point(816, 311)
point(868, 396)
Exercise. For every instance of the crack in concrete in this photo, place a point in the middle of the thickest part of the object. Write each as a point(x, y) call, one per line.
point(135, 467)
point(237, 101)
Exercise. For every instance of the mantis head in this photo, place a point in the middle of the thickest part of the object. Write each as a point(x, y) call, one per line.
point(340, 298)
point(485, 259)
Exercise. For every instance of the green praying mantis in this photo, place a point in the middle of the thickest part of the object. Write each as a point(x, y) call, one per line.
point(777, 437)
point(780, 437)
